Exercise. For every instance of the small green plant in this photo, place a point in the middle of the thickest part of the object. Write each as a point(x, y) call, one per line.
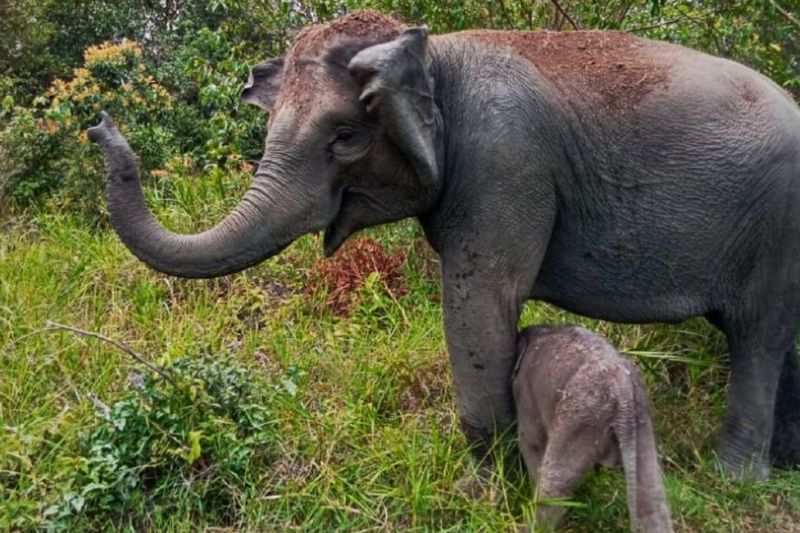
point(195, 434)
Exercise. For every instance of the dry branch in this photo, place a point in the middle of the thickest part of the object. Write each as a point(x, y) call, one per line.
point(791, 18)
point(54, 326)
point(565, 15)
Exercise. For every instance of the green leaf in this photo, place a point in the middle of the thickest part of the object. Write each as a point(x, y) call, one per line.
point(194, 447)
point(77, 503)
point(290, 387)
point(51, 510)
point(8, 103)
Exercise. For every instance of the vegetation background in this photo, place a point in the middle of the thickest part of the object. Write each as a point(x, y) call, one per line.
point(301, 394)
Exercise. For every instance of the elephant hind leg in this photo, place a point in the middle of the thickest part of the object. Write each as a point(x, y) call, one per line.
point(785, 447)
point(571, 451)
point(757, 357)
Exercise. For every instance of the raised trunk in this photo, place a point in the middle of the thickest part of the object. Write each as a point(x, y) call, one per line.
point(247, 236)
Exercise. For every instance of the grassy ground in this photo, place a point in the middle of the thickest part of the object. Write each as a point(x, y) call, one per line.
point(362, 435)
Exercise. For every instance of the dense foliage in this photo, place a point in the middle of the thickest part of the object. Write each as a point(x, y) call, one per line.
point(171, 72)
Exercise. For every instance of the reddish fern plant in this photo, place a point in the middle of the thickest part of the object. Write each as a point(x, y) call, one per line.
point(343, 274)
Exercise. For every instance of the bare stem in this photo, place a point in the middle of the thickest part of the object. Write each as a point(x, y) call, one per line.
point(565, 14)
point(791, 18)
point(654, 26)
point(54, 326)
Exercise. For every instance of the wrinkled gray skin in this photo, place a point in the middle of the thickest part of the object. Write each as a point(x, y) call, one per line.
point(678, 202)
point(580, 404)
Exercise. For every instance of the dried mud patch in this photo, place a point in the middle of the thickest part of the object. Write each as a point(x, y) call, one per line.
point(300, 86)
point(612, 66)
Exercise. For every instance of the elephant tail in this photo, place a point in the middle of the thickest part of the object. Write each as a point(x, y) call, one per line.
point(647, 501)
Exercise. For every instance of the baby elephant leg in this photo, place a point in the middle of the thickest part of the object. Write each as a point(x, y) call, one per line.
point(571, 451)
point(532, 443)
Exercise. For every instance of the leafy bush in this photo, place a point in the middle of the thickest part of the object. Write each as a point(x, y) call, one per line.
point(205, 77)
point(45, 156)
point(195, 435)
point(46, 147)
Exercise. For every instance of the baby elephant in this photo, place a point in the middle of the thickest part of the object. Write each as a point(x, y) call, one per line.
point(580, 404)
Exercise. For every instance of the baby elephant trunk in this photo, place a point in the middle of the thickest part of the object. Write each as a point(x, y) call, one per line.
point(647, 501)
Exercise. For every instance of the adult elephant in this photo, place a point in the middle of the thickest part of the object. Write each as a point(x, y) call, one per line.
point(616, 177)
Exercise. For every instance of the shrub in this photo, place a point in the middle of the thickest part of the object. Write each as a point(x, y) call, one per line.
point(196, 435)
point(45, 146)
point(186, 105)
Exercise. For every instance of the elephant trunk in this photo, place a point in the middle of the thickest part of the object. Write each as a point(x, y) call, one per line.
point(247, 236)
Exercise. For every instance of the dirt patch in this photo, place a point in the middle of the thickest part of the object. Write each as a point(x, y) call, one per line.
point(748, 94)
point(613, 66)
point(367, 25)
point(300, 84)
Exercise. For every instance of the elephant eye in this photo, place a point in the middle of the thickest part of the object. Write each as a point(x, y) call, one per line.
point(344, 136)
point(350, 144)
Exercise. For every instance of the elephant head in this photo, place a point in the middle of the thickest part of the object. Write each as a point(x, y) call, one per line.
point(354, 141)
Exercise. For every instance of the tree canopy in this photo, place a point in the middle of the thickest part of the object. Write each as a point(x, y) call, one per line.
point(173, 69)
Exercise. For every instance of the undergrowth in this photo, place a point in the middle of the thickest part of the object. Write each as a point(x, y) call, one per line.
point(184, 439)
point(358, 263)
point(280, 414)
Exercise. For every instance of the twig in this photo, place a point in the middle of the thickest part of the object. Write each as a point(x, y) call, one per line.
point(18, 340)
point(623, 12)
point(54, 326)
point(654, 26)
point(791, 18)
point(565, 14)
point(529, 13)
point(504, 13)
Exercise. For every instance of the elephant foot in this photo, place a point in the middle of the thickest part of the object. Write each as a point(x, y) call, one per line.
point(480, 442)
point(548, 517)
point(741, 465)
point(475, 484)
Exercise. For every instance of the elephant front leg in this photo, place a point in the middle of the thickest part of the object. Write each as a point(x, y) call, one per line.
point(480, 326)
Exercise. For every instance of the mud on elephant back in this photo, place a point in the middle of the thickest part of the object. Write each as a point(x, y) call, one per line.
point(656, 187)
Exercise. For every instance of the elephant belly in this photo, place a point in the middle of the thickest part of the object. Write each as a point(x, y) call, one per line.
point(621, 283)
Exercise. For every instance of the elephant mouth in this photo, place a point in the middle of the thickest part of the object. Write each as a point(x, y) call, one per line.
point(336, 232)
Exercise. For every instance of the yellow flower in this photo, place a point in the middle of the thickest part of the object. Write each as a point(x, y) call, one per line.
point(50, 126)
point(112, 52)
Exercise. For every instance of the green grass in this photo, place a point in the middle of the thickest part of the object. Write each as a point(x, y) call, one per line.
point(365, 437)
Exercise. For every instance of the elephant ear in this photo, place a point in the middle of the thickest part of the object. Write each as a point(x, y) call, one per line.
point(264, 83)
point(397, 87)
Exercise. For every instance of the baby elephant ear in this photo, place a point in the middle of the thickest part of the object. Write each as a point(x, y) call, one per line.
point(264, 83)
point(397, 87)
